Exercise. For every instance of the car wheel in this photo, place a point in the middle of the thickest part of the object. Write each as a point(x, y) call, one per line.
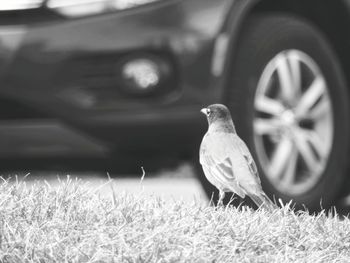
point(288, 99)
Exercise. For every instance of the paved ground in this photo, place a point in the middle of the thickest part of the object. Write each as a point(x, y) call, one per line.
point(179, 183)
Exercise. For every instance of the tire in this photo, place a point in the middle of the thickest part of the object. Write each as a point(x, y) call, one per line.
point(314, 131)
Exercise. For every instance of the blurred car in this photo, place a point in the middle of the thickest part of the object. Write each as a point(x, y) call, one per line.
point(99, 78)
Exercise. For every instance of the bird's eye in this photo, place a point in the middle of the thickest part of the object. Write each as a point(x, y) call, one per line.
point(208, 112)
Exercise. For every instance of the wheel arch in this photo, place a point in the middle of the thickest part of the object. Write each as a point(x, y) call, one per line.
point(328, 16)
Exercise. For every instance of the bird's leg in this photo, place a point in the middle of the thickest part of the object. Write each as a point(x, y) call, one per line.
point(221, 197)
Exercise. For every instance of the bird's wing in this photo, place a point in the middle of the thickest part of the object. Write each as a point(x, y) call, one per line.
point(221, 175)
point(216, 175)
point(213, 156)
point(217, 166)
point(217, 163)
point(247, 155)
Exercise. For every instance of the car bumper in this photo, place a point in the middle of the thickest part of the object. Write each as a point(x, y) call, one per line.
point(66, 69)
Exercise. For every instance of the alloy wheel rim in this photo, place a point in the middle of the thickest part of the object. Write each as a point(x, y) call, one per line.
point(293, 122)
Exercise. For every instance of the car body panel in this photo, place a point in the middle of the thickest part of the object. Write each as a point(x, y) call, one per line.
point(48, 66)
point(45, 49)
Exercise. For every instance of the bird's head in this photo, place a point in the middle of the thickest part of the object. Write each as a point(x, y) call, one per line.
point(219, 114)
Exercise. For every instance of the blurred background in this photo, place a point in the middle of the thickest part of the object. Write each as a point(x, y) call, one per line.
point(90, 87)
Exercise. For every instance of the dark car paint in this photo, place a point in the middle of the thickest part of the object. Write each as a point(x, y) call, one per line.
point(44, 63)
point(179, 29)
point(46, 58)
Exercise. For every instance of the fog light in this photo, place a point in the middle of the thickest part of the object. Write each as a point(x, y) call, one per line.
point(143, 73)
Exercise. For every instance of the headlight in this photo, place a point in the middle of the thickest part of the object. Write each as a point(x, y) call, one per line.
point(76, 8)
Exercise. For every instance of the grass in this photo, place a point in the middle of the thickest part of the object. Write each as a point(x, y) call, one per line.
point(73, 223)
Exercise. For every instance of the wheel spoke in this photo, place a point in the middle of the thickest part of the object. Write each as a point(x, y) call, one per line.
point(306, 151)
point(288, 177)
point(294, 60)
point(266, 126)
point(280, 158)
point(265, 104)
point(285, 77)
point(310, 97)
point(322, 108)
point(318, 145)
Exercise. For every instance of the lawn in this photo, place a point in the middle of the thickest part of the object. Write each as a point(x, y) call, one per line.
point(72, 223)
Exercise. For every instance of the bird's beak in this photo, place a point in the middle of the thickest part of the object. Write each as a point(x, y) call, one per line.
point(204, 111)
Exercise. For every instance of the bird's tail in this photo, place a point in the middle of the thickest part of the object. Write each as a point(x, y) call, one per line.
point(262, 200)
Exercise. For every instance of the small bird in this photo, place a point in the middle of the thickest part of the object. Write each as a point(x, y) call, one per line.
point(226, 160)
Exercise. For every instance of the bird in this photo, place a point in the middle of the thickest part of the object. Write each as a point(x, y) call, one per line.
point(226, 160)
